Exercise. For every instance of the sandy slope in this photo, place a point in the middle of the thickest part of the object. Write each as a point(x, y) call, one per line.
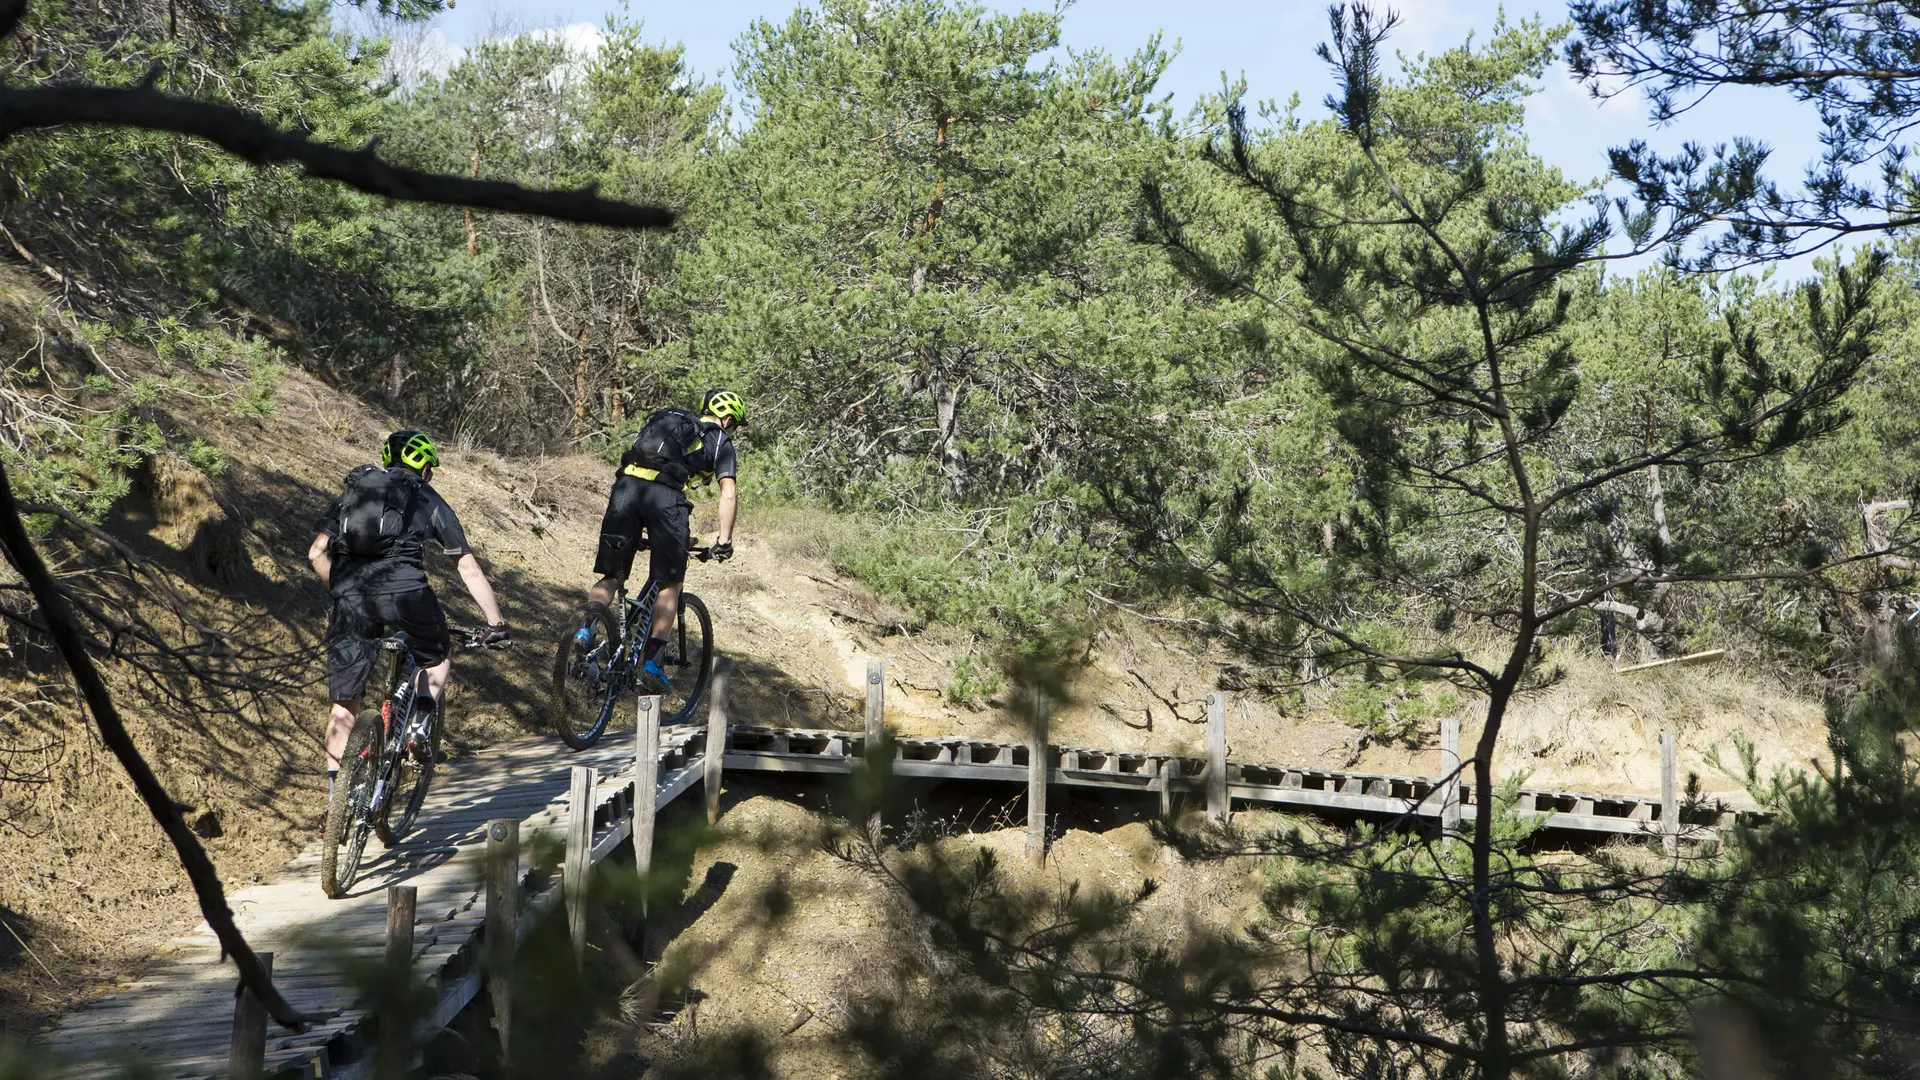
point(87, 887)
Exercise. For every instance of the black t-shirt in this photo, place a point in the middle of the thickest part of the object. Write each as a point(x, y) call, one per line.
point(400, 570)
point(715, 459)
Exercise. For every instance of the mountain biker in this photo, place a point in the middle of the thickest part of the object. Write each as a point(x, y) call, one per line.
point(368, 554)
point(671, 451)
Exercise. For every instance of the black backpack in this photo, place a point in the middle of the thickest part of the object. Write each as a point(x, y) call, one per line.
point(374, 507)
point(667, 443)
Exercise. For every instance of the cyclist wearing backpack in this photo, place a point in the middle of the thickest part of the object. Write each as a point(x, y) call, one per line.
point(368, 554)
point(672, 450)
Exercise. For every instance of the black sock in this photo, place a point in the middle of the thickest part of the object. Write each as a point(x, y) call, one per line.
point(654, 645)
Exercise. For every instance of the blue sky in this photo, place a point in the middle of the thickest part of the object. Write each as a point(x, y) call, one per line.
point(1270, 43)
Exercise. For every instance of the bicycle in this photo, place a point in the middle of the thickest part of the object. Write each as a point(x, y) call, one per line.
point(388, 764)
point(607, 668)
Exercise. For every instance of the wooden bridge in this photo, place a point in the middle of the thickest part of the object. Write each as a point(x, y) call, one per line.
point(181, 1019)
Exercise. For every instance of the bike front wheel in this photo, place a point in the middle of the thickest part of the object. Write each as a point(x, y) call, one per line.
point(412, 772)
point(348, 809)
point(688, 660)
point(589, 682)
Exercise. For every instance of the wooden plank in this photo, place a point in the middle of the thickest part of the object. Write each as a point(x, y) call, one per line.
point(1449, 780)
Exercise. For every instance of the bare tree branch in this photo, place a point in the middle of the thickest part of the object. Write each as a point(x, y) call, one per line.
point(248, 137)
point(193, 858)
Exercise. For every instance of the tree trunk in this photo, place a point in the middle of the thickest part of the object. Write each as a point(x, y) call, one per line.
point(946, 401)
point(473, 233)
point(1495, 1054)
point(580, 391)
point(396, 376)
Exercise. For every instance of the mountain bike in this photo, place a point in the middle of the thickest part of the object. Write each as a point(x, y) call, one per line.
point(387, 766)
point(591, 681)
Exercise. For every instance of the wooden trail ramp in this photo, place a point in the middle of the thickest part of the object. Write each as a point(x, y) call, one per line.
point(179, 1016)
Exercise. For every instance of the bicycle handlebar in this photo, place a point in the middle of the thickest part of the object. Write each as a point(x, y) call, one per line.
point(704, 554)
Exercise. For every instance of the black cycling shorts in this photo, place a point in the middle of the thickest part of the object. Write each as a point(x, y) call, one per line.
point(663, 512)
point(357, 623)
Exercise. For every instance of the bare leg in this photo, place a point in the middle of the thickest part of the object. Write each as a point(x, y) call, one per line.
point(664, 609)
point(437, 679)
point(604, 590)
point(339, 726)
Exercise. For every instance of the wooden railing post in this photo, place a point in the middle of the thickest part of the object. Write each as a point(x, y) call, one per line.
point(394, 1055)
point(1217, 759)
point(717, 727)
point(247, 1056)
point(1450, 774)
point(877, 755)
point(503, 922)
point(1037, 769)
point(1669, 794)
point(1163, 784)
point(579, 866)
point(646, 786)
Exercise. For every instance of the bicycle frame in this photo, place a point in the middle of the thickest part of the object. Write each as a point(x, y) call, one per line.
point(641, 608)
point(397, 704)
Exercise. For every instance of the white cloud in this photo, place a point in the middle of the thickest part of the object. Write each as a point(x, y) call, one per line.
point(427, 52)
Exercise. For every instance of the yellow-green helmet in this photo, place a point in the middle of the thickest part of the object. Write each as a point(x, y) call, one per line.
point(724, 405)
point(410, 448)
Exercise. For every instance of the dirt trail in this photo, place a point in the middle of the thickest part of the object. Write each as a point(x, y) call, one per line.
point(88, 887)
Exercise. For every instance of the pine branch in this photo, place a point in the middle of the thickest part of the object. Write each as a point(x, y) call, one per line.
point(193, 858)
point(249, 138)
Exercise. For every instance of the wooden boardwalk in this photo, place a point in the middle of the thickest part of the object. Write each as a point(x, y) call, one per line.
point(178, 1016)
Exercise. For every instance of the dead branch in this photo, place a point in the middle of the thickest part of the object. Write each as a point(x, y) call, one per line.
point(65, 281)
point(106, 717)
point(249, 138)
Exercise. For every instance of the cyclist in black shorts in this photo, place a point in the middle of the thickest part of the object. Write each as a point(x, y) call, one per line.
point(368, 554)
point(672, 451)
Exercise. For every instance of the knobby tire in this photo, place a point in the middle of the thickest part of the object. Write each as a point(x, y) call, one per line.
point(411, 777)
point(689, 661)
point(573, 700)
point(344, 842)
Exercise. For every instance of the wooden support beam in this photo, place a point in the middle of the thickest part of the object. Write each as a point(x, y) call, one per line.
point(1163, 784)
point(503, 923)
point(717, 727)
point(1037, 780)
point(579, 865)
point(876, 701)
point(1217, 807)
point(247, 1055)
point(1450, 774)
point(646, 785)
point(393, 1057)
point(878, 752)
point(1669, 793)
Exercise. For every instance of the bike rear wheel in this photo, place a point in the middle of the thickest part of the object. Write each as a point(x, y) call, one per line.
point(688, 660)
point(347, 809)
point(589, 682)
point(412, 772)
